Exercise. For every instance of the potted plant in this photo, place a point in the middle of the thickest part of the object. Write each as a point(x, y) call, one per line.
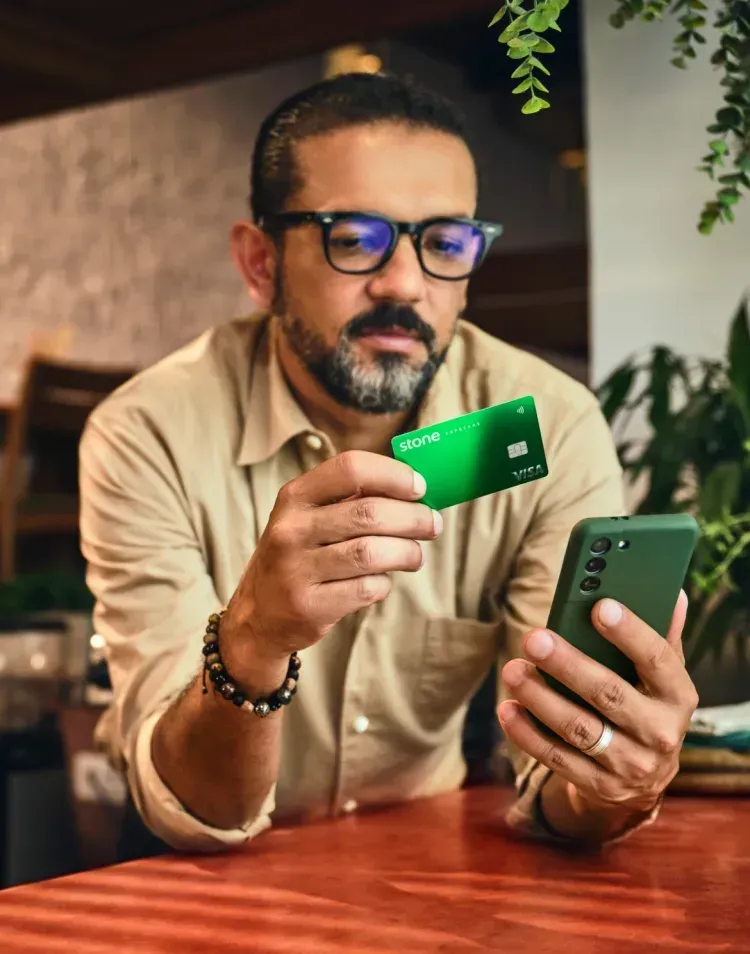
point(697, 458)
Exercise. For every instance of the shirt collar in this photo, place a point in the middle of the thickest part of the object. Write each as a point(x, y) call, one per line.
point(273, 416)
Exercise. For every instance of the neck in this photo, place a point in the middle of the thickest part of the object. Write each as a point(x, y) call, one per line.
point(347, 428)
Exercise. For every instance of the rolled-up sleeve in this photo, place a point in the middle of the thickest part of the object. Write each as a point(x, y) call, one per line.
point(153, 592)
point(585, 480)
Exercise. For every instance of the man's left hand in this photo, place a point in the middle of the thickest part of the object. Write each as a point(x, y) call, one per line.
point(649, 721)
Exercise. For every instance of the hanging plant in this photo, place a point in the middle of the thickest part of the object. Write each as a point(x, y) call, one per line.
point(727, 161)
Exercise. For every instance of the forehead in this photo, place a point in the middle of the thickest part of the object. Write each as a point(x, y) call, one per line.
point(407, 173)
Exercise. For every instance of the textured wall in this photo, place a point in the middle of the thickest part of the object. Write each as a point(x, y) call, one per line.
point(114, 220)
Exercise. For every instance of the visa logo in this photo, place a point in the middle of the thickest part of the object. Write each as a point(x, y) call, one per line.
point(529, 473)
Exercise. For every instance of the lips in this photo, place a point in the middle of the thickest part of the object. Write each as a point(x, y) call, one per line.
point(390, 332)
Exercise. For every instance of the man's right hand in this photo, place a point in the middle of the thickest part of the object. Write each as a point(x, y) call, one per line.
point(334, 535)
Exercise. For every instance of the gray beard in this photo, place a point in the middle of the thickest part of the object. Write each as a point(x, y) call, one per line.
point(390, 385)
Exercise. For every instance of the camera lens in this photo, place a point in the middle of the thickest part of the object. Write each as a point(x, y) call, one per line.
point(590, 584)
point(595, 565)
point(623, 544)
point(601, 545)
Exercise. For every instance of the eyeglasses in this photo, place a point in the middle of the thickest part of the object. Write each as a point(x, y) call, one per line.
point(359, 243)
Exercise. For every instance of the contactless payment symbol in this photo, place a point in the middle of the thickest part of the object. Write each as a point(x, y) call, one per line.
point(518, 450)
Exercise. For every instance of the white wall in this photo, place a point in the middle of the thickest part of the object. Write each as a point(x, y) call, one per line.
point(654, 278)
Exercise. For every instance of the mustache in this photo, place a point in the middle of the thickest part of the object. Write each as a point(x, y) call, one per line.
point(387, 316)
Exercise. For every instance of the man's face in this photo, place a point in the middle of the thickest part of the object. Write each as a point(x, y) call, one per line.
point(374, 341)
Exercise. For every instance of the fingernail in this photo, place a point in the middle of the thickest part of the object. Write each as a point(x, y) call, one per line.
point(610, 612)
point(514, 674)
point(540, 644)
point(506, 713)
point(420, 485)
point(437, 522)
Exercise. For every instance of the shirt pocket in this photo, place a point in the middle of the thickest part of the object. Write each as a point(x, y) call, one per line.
point(457, 656)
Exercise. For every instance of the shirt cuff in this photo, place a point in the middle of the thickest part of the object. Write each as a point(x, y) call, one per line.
point(167, 817)
point(526, 815)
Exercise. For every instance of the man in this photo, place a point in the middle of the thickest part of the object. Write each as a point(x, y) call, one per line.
point(251, 471)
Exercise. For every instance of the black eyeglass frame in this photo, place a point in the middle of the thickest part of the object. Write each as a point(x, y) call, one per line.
point(326, 220)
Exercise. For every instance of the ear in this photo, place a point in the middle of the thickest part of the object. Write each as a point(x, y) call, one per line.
point(256, 258)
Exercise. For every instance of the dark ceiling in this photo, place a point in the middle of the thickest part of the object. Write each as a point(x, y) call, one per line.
point(56, 54)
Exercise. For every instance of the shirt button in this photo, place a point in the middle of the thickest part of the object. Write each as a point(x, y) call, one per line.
point(360, 724)
point(313, 442)
point(350, 806)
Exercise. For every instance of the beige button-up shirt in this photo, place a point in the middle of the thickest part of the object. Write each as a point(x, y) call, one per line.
point(179, 471)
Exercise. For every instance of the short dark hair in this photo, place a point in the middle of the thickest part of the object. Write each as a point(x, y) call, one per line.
point(351, 99)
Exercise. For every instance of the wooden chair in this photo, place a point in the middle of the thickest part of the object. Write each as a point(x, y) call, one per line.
point(55, 401)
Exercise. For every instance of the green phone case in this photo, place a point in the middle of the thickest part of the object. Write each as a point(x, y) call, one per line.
point(646, 566)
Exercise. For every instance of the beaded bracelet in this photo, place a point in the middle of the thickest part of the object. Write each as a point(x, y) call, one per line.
point(214, 668)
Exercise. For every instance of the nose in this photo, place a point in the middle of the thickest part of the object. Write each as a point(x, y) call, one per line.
point(401, 278)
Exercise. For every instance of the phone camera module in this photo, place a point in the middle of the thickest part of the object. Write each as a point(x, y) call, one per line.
point(590, 583)
point(595, 565)
point(623, 544)
point(601, 545)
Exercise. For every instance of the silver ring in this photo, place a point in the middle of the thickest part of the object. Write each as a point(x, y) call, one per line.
point(603, 742)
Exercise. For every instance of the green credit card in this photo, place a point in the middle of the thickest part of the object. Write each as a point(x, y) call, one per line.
point(476, 454)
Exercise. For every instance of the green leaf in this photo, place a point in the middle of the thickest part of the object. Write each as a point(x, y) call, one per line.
point(659, 387)
point(555, 26)
point(739, 361)
point(499, 15)
point(518, 44)
point(720, 490)
point(512, 30)
point(533, 61)
point(518, 54)
point(731, 116)
point(532, 106)
point(614, 392)
point(530, 39)
point(523, 70)
point(538, 84)
point(539, 20)
point(729, 196)
point(679, 63)
point(718, 146)
point(715, 629)
point(522, 87)
point(543, 46)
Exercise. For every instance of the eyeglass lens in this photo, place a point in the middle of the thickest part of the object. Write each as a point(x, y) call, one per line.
point(360, 243)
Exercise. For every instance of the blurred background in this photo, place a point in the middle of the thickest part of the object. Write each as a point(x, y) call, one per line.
point(125, 136)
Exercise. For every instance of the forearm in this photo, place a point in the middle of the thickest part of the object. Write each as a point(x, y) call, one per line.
point(220, 761)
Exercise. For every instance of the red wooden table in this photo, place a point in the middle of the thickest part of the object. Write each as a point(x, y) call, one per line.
point(439, 875)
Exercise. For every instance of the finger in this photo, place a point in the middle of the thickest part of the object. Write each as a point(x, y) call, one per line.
point(659, 666)
point(365, 556)
point(373, 516)
point(562, 758)
point(336, 600)
point(674, 634)
point(355, 474)
point(608, 693)
point(575, 725)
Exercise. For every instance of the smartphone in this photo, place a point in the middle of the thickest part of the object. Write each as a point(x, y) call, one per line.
point(640, 561)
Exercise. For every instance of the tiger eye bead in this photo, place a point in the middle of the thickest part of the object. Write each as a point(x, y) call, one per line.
point(214, 619)
point(213, 659)
point(209, 637)
point(291, 685)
